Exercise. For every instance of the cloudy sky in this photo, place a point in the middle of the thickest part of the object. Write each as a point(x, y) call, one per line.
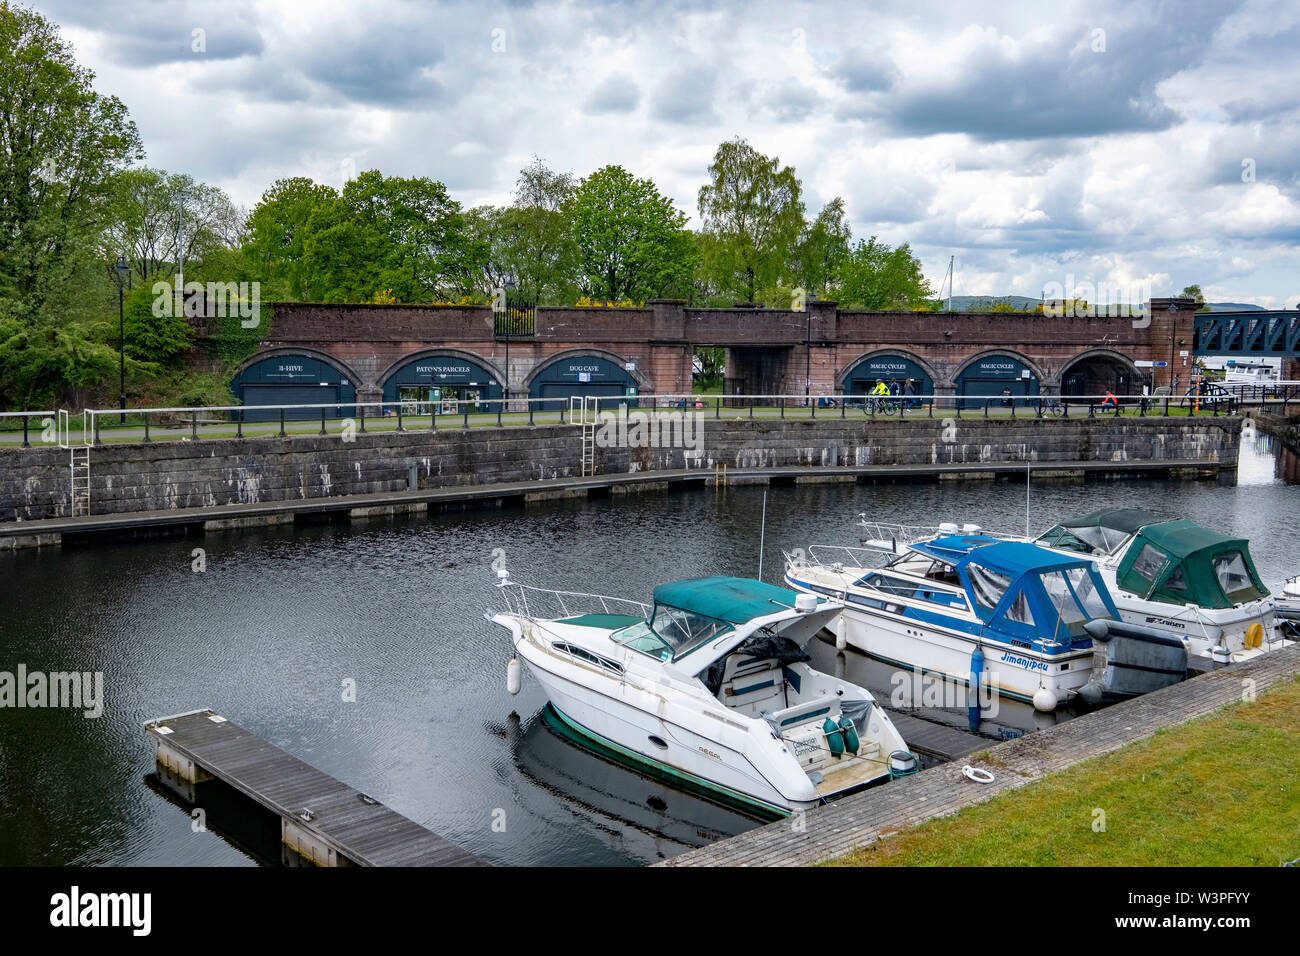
point(1115, 142)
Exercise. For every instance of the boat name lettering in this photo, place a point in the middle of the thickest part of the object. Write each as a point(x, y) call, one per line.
point(1166, 622)
point(1024, 662)
point(709, 753)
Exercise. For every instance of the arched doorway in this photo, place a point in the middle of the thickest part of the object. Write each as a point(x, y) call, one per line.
point(579, 373)
point(1100, 373)
point(422, 381)
point(992, 377)
point(887, 367)
point(293, 378)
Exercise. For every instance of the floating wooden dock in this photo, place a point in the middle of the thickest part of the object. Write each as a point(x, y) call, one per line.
point(937, 740)
point(322, 819)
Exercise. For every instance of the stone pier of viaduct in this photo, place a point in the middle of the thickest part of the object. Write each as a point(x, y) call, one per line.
point(322, 353)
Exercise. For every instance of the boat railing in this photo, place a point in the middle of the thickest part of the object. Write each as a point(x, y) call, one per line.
point(526, 600)
point(833, 555)
point(891, 537)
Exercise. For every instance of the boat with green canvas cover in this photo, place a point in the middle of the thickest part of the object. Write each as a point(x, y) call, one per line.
point(707, 688)
point(1177, 576)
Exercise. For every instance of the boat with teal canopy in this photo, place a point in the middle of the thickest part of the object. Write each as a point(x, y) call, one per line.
point(708, 688)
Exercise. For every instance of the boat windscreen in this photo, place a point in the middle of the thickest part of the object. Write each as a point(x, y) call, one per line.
point(1235, 578)
point(671, 633)
point(1074, 602)
point(988, 585)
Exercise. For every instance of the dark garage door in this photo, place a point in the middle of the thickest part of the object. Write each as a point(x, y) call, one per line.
point(289, 395)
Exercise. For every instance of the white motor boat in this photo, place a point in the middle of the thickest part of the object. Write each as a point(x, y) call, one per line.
point(1287, 602)
point(1001, 617)
point(708, 688)
point(1178, 577)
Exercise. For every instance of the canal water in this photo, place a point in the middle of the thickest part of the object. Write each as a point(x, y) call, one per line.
point(282, 623)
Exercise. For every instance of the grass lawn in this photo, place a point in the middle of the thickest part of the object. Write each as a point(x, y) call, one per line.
point(1223, 790)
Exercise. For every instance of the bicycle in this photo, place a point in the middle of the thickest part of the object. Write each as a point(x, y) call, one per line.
point(884, 406)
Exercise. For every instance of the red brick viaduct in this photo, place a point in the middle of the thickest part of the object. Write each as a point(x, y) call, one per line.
point(768, 351)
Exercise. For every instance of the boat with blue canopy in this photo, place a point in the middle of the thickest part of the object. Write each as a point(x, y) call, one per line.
point(1007, 617)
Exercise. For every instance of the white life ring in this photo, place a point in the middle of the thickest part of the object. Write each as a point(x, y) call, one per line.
point(976, 774)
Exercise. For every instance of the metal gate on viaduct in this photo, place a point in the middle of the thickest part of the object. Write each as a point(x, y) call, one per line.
point(324, 353)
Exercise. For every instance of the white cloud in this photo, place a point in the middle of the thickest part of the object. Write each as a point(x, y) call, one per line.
point(991, 131)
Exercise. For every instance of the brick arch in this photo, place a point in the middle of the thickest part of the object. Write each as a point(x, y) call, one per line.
point(1005, 353)
point(926, 365)
point(643, 382)
point(403, 360)
point(1111, 354)
point(280, 351)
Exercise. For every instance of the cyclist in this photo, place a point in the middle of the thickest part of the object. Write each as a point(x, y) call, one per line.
point(1111, 401)
point(879, 394)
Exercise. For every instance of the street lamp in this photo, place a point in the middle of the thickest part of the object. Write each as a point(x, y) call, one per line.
point(510, 287)
point(121, 337)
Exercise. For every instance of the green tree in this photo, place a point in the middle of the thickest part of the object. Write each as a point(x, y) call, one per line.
point(822, 250)
point(542, 252)
point(61, 143)
point(153, 334)
point(1194, 292)
point(631, 241)
point(875, 275)
point(145, 209)
point(278, 232)
point(405, 235)
point(753, 214)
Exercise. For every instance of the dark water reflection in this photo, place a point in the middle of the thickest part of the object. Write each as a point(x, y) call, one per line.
point(279, 620)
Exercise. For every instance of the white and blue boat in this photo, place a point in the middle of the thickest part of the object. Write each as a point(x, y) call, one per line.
point(1001, 617)
point(708, 688)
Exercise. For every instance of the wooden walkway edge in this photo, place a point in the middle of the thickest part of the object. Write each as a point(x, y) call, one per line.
point(837, 828)
point(49, 531)
point(322, 819)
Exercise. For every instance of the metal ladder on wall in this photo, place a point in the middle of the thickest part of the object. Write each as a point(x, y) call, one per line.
point(588, 423)
point(78, 465)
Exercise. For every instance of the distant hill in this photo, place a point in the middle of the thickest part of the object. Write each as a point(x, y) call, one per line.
point(964, 303)
point(983, 303)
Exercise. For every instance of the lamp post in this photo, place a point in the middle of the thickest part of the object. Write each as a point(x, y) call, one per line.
point(121, 337)
point(510, 287)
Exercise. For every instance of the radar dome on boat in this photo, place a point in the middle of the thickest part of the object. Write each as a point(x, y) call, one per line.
point(948, 527)
point(805, 602)
point(971, 529)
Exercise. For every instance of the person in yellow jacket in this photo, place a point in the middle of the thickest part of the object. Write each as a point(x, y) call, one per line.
point(881, 388)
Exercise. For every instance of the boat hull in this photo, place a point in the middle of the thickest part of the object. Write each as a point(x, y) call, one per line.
point(1011, 672)
point(625, 729)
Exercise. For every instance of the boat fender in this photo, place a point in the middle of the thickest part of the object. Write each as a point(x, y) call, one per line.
point(1254, 635)
point(1045, 700)
point(851, 742)
point(834, 738)
point(512, 676)
point(976, 774)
